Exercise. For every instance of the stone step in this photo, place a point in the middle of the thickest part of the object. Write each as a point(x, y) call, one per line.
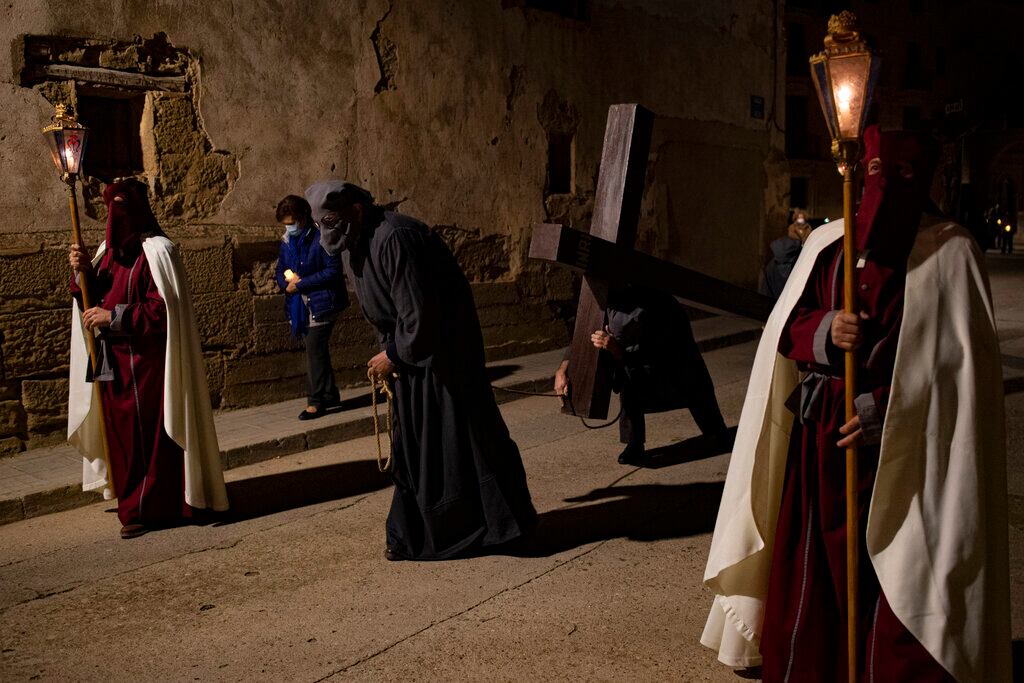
point(46, 480)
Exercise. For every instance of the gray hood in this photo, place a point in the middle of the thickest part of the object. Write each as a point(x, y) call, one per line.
point(316, 195)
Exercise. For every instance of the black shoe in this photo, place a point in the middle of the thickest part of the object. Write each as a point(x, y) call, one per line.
point(306, 415)
point(133, 531)
point(633, 453)
point(391, 555)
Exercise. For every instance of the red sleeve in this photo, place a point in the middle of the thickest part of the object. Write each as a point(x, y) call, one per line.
point(807, 336)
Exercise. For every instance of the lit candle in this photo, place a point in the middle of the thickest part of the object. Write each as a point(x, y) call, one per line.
point(289, 275)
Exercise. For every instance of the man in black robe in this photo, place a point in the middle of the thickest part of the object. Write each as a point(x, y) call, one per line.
point(658, 366)
point(459, 480)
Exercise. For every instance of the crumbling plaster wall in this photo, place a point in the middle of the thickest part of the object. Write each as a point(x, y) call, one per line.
point(439, 109)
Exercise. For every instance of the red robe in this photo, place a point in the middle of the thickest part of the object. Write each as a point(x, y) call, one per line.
point(147, 465)
point(804, 634)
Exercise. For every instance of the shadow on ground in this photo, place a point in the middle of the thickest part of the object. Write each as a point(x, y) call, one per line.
point(694, 448)
point(645, 512)
point(266, 495)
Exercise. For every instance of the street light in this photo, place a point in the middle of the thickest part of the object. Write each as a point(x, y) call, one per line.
point(844, 75)
point(67, 138)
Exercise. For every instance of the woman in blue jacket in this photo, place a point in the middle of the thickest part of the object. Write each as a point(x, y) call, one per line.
point(315, 295)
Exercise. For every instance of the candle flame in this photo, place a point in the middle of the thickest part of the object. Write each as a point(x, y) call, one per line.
point(289, 275)
point(844, 98)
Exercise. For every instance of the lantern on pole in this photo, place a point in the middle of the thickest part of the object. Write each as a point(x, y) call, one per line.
point(67, 138)
point(844, 75)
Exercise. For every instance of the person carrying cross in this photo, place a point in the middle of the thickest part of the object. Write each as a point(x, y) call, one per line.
point(658, 366)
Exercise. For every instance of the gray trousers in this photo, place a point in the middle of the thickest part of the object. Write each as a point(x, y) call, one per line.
point(320, 387)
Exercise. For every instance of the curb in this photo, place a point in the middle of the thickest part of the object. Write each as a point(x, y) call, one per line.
point(71, 495)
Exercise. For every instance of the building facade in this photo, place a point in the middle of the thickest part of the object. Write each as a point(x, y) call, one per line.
point(480, 118)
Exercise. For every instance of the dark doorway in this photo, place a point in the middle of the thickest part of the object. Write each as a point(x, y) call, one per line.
point(115, 141)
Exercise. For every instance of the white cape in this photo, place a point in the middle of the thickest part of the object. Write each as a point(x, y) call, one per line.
point(937, 531)
point(188, 418)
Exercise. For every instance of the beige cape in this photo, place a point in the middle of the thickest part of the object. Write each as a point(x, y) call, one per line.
point(937, 527)
point(188, 418)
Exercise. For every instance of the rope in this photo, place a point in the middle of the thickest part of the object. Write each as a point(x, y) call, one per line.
point(385, 465)
point(567, 399)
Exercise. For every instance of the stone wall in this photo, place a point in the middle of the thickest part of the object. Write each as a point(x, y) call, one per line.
point(481, 118)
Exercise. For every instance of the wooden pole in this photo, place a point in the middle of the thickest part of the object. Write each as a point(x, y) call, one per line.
point(90, 339)
point(852, 513)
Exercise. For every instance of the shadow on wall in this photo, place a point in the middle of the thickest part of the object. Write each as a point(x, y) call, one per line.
point(261, 496)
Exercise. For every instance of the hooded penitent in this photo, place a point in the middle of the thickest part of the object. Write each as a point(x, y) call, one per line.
point(333, 237)
point(129, 217)
point(898, 167)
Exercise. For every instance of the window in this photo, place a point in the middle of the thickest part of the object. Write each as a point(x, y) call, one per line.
point(115, 143)
point(560, 163)
point(914, 75)
point(796, 50)
point(799, 191)
point(911, 118)
point(797, 141)
point(940, 61)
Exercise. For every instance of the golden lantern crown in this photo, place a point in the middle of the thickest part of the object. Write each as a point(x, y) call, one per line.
point(844, 75)
point(66, 138)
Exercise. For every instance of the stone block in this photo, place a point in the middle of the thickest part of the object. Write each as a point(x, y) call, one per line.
point(268, 310)
point(36, 342)
point(10, 446)
point(214, 362)
point(34, 280)
point(58, 499)
point(253, 453)
point(45, 404)
point(494, 293)
point(562, 284)
point(12, 418)
point(532, 284)
point(514, 314)
point(208, 264)
point(274, 337)
point(10, 391)
point(552, 332)
point(224, 319)
point(346, 431)
point(11, 510)
point(256, 380)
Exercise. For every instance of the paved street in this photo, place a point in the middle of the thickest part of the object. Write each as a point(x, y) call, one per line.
point(295, 585)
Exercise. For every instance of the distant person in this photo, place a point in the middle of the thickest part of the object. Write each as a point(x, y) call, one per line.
point(658, 366)
point(460, 486)
point(799, 229)
point(315, 295)
point(162, 445)
point(1009, 231)
point(785, 251)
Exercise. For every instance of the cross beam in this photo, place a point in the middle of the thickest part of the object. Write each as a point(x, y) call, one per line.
point(589, 255)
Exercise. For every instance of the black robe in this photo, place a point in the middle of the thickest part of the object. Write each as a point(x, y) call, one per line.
point(459, 478)
point(662, 367)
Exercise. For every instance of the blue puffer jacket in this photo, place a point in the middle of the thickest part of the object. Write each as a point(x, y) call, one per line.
point(322, 280)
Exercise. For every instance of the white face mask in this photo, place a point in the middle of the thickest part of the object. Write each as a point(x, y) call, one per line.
point(801, 220)
point(293, 229)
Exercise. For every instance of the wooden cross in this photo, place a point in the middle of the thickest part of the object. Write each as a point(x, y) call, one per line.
point(606, 258)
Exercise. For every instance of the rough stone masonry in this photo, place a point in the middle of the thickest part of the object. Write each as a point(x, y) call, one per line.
point(480, 118)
